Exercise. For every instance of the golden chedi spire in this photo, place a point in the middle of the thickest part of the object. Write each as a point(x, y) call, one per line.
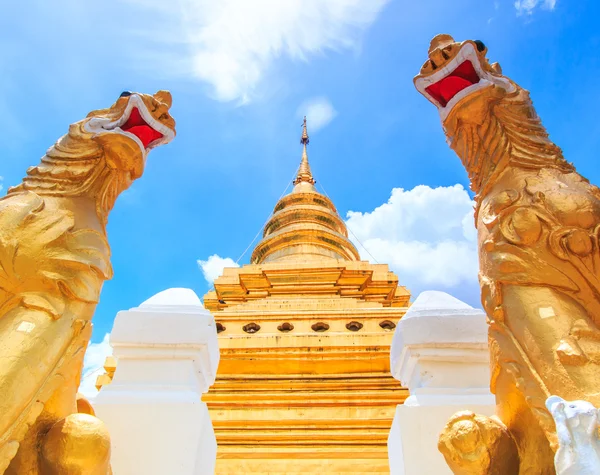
point(304, 382)
point(304, 173)
point(305, 225)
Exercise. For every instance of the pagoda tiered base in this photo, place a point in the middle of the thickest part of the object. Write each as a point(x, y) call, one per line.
point(315, 398)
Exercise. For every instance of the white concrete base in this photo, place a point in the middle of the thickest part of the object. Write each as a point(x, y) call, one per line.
point(167, 356)
point(440, 353)
point(152, 440)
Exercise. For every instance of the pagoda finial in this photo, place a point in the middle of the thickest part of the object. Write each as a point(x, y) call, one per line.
point(304, 173)
point(304, 139)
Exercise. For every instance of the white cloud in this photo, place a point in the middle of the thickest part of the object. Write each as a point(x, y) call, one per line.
point(528, 6)
point(214, 265)
point(427, 237)
point(93, 365)
point(230, 44)
point(318, 111)
point(1, 186)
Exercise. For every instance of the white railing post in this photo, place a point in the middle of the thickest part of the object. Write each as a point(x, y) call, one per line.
point(167, 356)
point(440, 353)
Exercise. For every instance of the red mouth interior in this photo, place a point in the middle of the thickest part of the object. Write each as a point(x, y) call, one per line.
point(445, 89)
point(138, 127)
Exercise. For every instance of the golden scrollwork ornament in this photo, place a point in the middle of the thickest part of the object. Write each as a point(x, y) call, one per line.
point(54, 258)
point(538, 225)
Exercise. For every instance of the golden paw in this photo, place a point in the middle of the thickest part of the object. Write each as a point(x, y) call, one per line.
point(477, 445)
point(76, 445)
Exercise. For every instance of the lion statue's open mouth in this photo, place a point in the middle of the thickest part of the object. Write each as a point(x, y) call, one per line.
point(136, 122)
point(460, 71)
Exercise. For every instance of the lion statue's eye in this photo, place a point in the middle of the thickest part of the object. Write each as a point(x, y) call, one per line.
point(125, 94)
point(480, 45)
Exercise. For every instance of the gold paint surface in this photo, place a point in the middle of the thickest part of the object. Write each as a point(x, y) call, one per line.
point(54, 258)
point(110, 366)
point(538, 225)
point(304, 383)
point(76, 445)
point(472, 443)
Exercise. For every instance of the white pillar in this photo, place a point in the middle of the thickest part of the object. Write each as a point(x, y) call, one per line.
point(167, 357)
point(440, 353)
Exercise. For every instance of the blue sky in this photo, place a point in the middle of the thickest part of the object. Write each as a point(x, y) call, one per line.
point(242, 74)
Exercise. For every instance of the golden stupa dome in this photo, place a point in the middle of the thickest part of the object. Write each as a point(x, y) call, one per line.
point(305, 225)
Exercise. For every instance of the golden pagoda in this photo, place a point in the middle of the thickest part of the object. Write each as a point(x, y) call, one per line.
point(304, 383)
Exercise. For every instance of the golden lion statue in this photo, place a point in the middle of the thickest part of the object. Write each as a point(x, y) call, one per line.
point(538, 225)
point(54, 258)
